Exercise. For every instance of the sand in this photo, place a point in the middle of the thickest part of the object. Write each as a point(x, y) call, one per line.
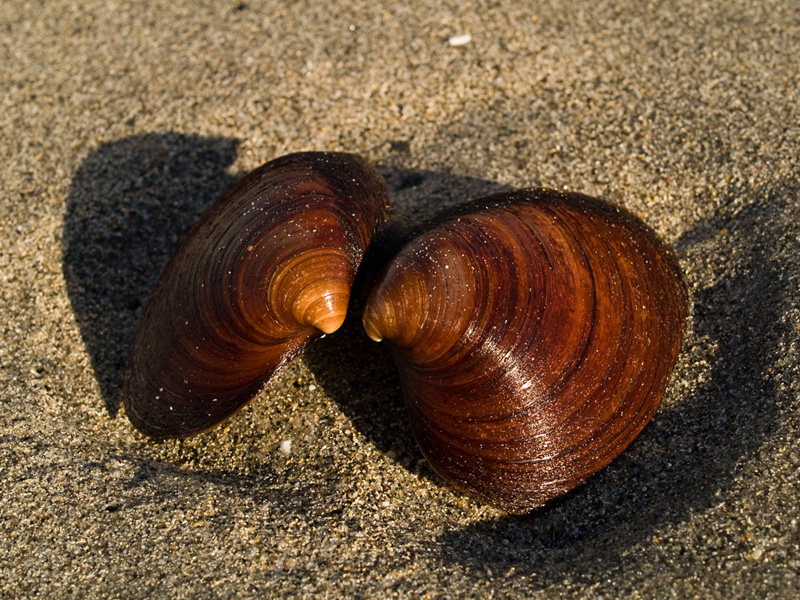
point(122, 121)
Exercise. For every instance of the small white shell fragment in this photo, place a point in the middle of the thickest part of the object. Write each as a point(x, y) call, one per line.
point(460, 40)
point(285, 446)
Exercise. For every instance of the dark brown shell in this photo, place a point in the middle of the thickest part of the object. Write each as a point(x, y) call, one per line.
point(535, 335)
point(267, 269)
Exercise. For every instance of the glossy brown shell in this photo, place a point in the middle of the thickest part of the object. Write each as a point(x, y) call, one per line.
point(267, 269)
point(535, 334)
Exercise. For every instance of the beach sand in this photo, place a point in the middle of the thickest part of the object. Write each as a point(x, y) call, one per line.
point(122, 121)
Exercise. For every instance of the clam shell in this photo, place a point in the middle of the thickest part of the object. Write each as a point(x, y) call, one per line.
point(267, 269)
point(535, 333)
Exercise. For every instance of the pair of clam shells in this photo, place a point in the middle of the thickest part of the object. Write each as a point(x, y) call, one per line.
point(535, 331)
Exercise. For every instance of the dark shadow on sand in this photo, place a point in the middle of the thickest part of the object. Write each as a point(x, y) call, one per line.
point(133, 199)
point(129, 204)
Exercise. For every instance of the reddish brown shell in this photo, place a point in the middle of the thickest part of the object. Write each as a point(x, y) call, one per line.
point(535, 335)
point(267, 269)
